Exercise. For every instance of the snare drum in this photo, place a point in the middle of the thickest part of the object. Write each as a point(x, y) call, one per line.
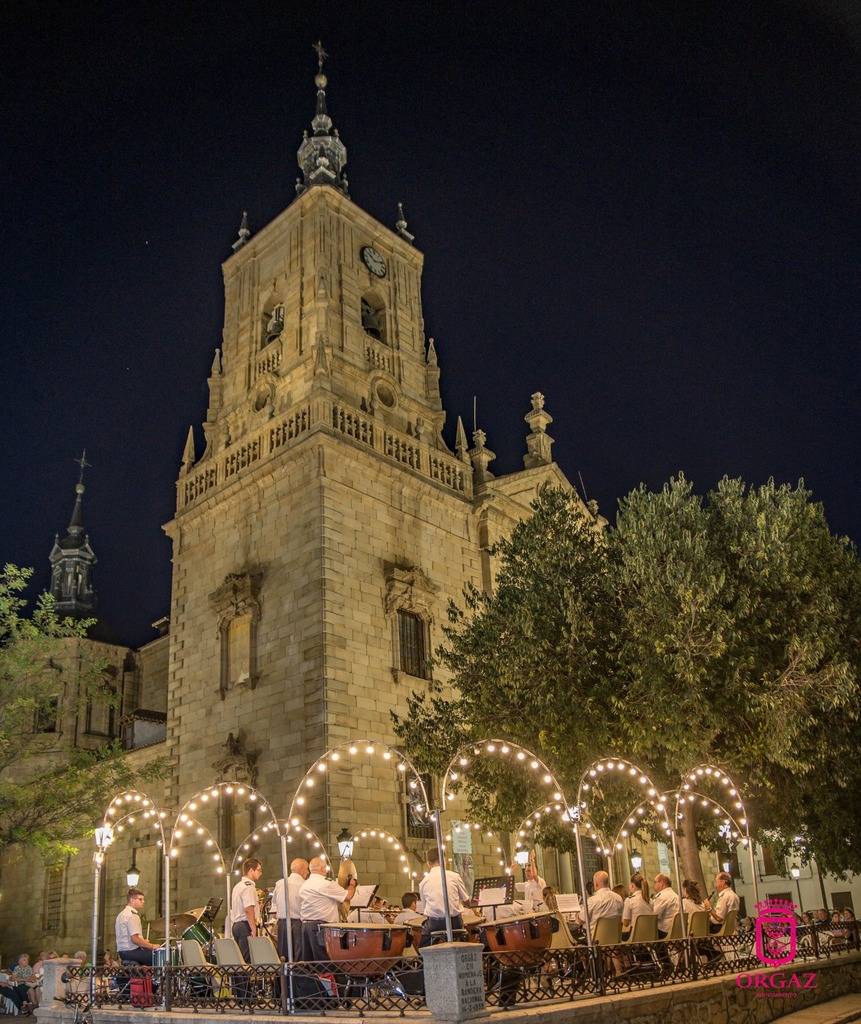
point(159, 956)
point(519, 941)
point(354, 946)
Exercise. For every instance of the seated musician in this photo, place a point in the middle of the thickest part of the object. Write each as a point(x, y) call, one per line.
point(603, 902)
point(375, 913)
point(131, 945)
point(727, 900)
point(409, 901)
point(638, 904)
point(431, 897)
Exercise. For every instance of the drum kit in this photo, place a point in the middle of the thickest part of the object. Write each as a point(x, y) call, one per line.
point(193, 925)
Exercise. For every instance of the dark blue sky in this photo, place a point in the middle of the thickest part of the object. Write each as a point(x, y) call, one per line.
point(650, 212)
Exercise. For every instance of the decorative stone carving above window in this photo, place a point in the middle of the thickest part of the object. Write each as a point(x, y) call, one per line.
point(409, 604)
point(237, 608)
point(409, 589)
point(236, 764)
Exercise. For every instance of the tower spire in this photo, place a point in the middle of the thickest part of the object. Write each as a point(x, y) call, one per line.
point(322, 156)
point(72, 560)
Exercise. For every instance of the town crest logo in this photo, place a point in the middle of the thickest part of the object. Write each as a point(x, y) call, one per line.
point(775, 932)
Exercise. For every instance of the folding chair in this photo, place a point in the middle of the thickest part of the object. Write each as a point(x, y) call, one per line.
point(192, 956)
point(228, 954)
point(263, 953)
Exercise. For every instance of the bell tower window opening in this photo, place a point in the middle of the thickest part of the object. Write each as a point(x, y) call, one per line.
point(413, 649)
point(273, 325)
point(374, 318)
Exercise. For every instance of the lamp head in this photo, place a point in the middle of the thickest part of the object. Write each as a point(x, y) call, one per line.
point(345, 843)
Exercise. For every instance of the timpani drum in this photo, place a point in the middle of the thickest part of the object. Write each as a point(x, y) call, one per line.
point(415, 931)
point(520, 941)
point(355, 946)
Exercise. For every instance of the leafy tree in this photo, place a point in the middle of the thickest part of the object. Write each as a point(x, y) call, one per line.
point(721, 630)
point(50, 791)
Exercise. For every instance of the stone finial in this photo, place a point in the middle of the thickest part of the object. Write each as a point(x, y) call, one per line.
point(215, 369)
point(401, 225)
point(244, 233)
point(480, 457)
point(188, 456)
point(431, 356)
point(538, 443)
point(460, 444)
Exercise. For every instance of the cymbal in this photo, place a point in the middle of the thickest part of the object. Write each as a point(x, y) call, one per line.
point(178, 923)
point(197, 913)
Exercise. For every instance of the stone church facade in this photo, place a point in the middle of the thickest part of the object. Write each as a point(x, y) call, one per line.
point(317, 540)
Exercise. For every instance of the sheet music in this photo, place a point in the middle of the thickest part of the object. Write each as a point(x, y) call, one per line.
point(490, 897)
point(362, 897)
point(568, 903)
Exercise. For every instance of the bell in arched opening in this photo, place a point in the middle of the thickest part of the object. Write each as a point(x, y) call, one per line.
point(371, 321)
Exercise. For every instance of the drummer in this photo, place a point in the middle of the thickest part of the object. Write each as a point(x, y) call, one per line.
point(319, 900)
point(131, 945)
point(431, 897)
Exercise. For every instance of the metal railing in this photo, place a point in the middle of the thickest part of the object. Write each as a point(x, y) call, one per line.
point(388, 984)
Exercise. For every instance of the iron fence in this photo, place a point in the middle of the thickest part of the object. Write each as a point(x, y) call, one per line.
point(369, 985)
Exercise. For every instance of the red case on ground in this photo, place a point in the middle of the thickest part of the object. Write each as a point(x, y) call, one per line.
point(141, 990)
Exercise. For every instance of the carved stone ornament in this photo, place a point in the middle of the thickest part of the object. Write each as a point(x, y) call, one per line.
point(409, 589)
point(238, 595)
point(236, 764)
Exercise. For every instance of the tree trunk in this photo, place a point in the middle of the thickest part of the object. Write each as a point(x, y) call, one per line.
point(689, 859)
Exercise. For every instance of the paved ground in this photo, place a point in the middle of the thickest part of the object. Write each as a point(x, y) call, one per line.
point(836, 1011)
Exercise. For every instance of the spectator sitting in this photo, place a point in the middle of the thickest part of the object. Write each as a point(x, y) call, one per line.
point(25, 978)
point(10, 991)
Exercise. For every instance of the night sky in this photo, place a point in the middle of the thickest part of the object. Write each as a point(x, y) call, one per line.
point(648, 211)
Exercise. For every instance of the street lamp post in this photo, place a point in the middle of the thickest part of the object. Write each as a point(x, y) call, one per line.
point(795, 870)
point(104, 836)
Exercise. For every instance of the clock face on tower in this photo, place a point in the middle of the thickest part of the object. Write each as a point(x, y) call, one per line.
point(373, 261)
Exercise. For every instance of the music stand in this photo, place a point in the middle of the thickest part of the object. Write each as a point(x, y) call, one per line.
point(209, 911)
point(362, 897)
point(493, 892)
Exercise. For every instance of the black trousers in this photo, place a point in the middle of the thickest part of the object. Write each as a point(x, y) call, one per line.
point(241, 930)
point(139, 955)
point(437, 924)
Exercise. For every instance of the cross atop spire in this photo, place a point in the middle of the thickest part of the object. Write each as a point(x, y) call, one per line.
point(321, 55)
point(322, 156)
point(82, 462)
